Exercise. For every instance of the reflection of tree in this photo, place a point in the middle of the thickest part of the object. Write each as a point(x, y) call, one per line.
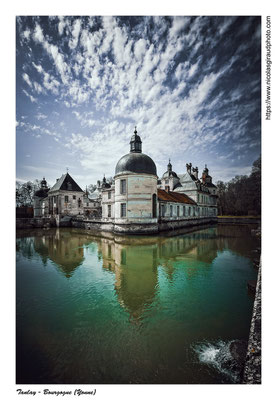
point(237, 238)
point(25, 245)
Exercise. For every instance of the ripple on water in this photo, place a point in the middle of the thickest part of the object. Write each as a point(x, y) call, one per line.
point(218, 356)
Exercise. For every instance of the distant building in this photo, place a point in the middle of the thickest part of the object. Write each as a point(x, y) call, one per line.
point(203, 191)
point(66, 197)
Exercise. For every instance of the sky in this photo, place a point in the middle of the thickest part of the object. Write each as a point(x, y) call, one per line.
point(191, 86)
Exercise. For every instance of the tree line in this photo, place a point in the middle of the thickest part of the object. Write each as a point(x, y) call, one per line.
point(242, 194)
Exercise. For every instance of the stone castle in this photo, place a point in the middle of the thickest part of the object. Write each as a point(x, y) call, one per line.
point(136, 201)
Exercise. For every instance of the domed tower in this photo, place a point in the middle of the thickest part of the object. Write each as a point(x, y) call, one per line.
point(40, 205)
point(206, 178)
point(135, 191)
point(170, 179)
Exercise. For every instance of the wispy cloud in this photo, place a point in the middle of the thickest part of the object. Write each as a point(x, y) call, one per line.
point(190, 84)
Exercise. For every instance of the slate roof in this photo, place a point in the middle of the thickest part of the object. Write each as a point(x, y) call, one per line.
point(163, 195)
point(210, 185)
point(43, 192)
point(167, 174)
point(64, 184)
point(136, 162)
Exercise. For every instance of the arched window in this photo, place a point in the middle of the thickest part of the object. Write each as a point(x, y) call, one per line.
point(154, 206)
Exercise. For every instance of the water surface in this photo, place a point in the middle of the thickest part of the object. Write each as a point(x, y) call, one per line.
point(131, 309)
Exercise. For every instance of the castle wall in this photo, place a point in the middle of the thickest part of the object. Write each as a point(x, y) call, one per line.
point(59, 205)
point(138, 198)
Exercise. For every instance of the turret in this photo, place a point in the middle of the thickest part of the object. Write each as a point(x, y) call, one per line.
point(169, 166)
point(206, 178)
point(135, 143)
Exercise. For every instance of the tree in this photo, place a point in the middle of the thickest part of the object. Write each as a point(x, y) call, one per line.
point(25, 192)
point(242, 194)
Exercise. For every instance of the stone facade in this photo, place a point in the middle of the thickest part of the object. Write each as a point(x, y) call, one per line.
point(135, 199)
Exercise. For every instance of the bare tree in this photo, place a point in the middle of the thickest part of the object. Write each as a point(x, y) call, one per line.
point(25, 192)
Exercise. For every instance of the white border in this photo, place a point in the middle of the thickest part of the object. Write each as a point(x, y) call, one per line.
point(142, 7)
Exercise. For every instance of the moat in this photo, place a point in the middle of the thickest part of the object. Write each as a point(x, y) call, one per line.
point(121, 309)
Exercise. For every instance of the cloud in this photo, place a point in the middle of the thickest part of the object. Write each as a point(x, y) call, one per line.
point(27, 79)
point(184, 81)
point(26, 34)
point(75, 34)
point(61, 25)
point(38, 88)
point(33, 99)
point(38, 34)
point(40, 116)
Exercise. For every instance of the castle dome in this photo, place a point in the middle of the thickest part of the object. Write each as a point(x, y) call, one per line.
point(135, 161)
point(169, 172)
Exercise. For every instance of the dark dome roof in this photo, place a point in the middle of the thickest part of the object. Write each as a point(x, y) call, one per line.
point(167, 174)
point(136, 162)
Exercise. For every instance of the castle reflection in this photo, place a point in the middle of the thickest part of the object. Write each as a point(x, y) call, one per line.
point(63, 248)
point(136, 261)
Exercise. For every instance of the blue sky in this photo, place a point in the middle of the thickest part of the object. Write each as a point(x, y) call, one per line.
point(191, 85)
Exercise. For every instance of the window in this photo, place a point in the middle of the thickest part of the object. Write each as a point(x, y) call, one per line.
point(162, 210)
point(123, 186)
point(79, 202)
point(109, 210)
point(87, 204)
point(177, 211)
point(171, 211)
point(109, 195)
point(74, 197)
point(154, 206)
point(184, 211)
point(66, 199)
point(189, 211)
point(123, 210)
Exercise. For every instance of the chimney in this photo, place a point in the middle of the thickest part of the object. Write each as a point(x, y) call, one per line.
point(195, 172)
point(167, 189)
point(189, 167)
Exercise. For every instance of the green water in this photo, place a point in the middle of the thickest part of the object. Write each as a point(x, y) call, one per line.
point(130, 309)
